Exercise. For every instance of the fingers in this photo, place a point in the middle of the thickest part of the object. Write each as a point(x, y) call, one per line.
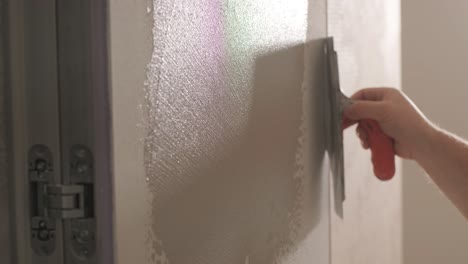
point(371, 94)
point(361, 133)
point(366, 110)
point(347, 123)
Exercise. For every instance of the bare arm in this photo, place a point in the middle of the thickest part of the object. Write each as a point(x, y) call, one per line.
point(445, 159)
point(442, 155)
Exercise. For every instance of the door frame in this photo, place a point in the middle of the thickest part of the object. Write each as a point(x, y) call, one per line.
point(43, 105)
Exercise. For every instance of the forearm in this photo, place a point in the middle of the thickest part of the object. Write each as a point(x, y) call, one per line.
point(445, 159)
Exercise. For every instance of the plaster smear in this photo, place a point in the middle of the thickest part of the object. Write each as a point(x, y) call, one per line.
point(225, 149)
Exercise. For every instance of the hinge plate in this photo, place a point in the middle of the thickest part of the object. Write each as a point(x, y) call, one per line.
point(51, 202)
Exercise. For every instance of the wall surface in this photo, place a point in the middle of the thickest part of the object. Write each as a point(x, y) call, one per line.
point(219, 152)
point(367, 35)
point(435, 76)
point(4, 190)
point(218, 131)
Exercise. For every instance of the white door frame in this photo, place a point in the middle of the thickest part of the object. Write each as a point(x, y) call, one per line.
point(58, 117)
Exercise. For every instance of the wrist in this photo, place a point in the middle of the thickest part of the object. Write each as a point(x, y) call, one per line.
point(426, 142)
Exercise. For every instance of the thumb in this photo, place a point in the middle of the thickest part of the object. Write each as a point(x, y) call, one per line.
point(365, 110)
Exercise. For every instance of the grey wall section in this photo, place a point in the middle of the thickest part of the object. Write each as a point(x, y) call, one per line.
point(4, 190)
point(367, 35)
point(435, 67)
point(218, 137)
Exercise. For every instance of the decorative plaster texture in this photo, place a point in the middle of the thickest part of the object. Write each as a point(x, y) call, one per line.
point(219, 156)
point(224, 153)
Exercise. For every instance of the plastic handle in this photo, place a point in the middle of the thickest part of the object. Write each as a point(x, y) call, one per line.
point(381, 145)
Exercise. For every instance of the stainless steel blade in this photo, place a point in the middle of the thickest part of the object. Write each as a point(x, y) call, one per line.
point(336, 101)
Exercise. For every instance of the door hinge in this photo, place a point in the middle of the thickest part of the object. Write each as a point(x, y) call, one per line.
point(65, 201)
point(52, 202)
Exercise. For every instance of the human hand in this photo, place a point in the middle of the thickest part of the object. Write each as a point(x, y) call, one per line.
point(396, 114)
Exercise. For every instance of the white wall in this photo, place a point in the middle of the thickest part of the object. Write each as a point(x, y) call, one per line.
point(435, 76)
point(367, 36)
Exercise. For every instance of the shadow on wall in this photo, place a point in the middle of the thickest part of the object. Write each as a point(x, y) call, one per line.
point(265, 197)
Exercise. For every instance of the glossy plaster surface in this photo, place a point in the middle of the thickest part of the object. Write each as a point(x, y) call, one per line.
point(219, 156)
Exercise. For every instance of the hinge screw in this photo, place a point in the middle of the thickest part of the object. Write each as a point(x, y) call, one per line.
point(84, 235)
point(80, 152)
point(82, 167)
point(43, 235)
point(41, 166)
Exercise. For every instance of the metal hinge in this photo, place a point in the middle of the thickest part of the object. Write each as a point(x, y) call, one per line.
point(52, 202)
point(65, 201)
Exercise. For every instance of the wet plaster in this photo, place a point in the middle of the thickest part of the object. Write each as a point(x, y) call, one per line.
point(221, 158)
point(227, 155)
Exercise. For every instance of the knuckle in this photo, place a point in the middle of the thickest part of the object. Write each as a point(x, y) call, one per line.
point(391, 90)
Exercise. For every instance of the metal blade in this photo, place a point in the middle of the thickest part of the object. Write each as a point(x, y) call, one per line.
point(336, 100)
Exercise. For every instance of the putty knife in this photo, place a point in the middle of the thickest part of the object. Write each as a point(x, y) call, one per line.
point(383, 156)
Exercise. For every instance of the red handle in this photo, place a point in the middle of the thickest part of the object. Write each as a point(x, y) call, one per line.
point(381, 145)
